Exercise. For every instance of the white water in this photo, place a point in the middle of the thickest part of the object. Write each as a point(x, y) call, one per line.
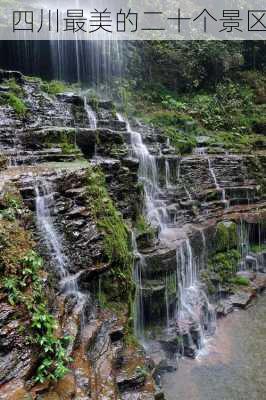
point(167, 175)
point(139, 303)
point(190, 293)
point(53, 241)
point(155, 207)
point(192, 298)
point(218, 187)
point(90, 114)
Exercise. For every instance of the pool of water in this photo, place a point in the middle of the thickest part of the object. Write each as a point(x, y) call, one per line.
point(233, 367)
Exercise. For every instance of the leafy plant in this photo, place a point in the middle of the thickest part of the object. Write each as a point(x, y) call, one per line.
point(53, 356)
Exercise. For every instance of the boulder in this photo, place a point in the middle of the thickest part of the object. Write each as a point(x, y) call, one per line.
point(242, 299)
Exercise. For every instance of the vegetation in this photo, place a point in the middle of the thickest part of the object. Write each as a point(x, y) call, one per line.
point(258, 248)
point(224, 265)
point(54, 87)
point(22, 281)
point(14, 97)
point(110, 222)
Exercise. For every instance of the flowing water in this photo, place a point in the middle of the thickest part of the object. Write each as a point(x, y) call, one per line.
point(191, 297)
point(193, 305)
point(234, 367)
point(155, 208)
point(90, 114)
point(53, 242)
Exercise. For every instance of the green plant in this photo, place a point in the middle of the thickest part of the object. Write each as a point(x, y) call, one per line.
point(11, 285)
point(116, 241)
point(54, 87)
point(14, 87)
point(17, 104)
point(8, 214)
point(143, 227)
point(240, 281)
point(53, 356)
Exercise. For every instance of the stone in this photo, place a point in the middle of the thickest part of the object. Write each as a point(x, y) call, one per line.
point(117, 333)
point(71, 98)
point(11, 75)
point(242, 299)
point(159, 395)
point(223, 308)
point(131, 381)
point(246, 274)
point(259, 283)
point(66, 387)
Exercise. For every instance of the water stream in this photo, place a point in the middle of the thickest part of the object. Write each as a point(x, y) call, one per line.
point(192, 298)
point(90, 114)
point(53, 242)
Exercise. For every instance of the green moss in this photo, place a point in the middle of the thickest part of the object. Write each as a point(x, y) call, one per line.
point(17, 104)
point(240, 281)
point(53, 87)
point(14, 97)
point(110, 222)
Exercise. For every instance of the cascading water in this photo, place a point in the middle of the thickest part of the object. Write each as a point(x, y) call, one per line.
point(193, 305)
point(155, 207)
point(53, 242)
point(218, 187)
point(90, 114)
point(192, 299)
point(137, 276)
point(167, 175)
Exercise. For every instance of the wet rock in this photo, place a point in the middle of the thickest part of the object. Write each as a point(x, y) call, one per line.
point(242, 299)
point(16, 355)
point(132, 381)
point(224, 308)
point(259, 283)
point(117, 333)
point(71, 98)
point(11, 75)
point(246, 274)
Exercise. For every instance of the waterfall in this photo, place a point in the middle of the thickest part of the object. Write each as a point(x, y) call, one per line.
point(53, 242)
point(167, 175)
point(194, 308)
point(156, 211)
point(90, 114)
point(138, 304)
point(218, 187)
point(213, 175)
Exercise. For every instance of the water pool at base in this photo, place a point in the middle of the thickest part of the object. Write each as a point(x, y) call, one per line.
point(233, 368)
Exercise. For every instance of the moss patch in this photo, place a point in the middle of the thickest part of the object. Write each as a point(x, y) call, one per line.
point(116, 236)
